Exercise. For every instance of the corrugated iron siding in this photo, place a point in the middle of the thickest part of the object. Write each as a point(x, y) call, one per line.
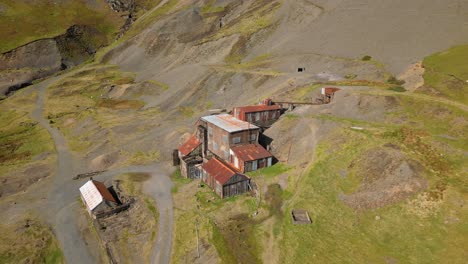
point(220, 141)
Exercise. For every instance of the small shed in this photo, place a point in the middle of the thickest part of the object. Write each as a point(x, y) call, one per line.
point(250, 157)
point(97, 197)
point(328, 93)
point(190, 158)
point(223, 179)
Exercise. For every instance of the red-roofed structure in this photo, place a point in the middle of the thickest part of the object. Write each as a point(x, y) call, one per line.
point(190, 158)
point(262, 115)
point(250, 157)
point(189, 146)
point(223, 179)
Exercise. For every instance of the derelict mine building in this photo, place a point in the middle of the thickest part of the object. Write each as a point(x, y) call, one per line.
point(223, 179)
point(225, 131)
point(221, 150)
point(190, 158)
point(97, 198)
point(262, 115)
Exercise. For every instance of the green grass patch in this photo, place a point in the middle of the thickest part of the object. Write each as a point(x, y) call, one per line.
point(275, 170)
point(210, 8)
point(29, 241)
point(249, 23)
point(22, 21)
point(163, 86)
point(117, 104)
point(142, 158)
point(399, 89)
point(148, 18)
point(178, 180)
point(186, 111)
point(394, 80)
point(218, 240)
point(447, 72)
point(21, 139)
point(416, 240)
point(440, 120)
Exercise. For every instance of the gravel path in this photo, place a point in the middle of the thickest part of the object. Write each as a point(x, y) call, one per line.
point(62, 206)
point(63, 196)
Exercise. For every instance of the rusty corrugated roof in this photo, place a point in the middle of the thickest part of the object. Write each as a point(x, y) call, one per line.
point(219, 171)
point(251, 152)
point(229, 123)
point(257, 108)
point(331, 90)
point(190, 145)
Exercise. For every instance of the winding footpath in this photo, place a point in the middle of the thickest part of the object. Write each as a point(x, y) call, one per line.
point(62, 201)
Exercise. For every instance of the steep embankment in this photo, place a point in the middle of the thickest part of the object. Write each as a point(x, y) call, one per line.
point(35, 45)
point(41, 58)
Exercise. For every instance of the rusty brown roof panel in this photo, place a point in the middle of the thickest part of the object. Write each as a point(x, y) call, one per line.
point(229, 123)
point(106, 195)
point(219, 171)
point(257, 108)
point(251, 152)
point(190, 145)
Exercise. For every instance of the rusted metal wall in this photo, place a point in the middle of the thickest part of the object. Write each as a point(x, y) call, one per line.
point(220, 141)
point(237, 185)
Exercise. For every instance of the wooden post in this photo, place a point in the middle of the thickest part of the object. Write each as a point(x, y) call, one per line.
point(196, 231)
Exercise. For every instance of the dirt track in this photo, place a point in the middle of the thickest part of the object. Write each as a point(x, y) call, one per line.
point(62, 198)
point(63, 208)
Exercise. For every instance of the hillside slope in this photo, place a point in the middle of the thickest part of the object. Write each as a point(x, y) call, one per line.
point(381, 170)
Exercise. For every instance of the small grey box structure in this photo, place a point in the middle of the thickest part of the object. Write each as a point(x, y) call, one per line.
point(300, 217)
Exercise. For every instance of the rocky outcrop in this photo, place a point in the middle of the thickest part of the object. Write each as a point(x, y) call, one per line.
point(78, 44)
point(43, 53)
point(121, 5)
point(42, 58)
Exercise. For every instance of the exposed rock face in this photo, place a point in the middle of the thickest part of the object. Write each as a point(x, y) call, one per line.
point(121, 5)
point(78, 44)
point(43, 53)
point(41, 58)
point(19, 67)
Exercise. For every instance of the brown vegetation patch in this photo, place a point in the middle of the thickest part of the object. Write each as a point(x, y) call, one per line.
point(28, 241)
point(104, 161)
point(238, 233)
point(120, 104)
point(274, 199)
point(387, 176)
point(19, 181)
point(130, 234)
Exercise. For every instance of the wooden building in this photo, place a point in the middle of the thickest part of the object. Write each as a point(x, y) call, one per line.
point(97, 197)
point(190, 158)
point(263, 115)
point(222, 132)
point(250, 157)
point(223, 179)
point(328, 93)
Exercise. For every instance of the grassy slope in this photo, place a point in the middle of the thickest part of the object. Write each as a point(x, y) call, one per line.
point(143, 233)
point(420, 230)
point(20, 138)
point(447, 72)
point(23, 22)
point(341, 235)
point(32, 243)
point(85, 95)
